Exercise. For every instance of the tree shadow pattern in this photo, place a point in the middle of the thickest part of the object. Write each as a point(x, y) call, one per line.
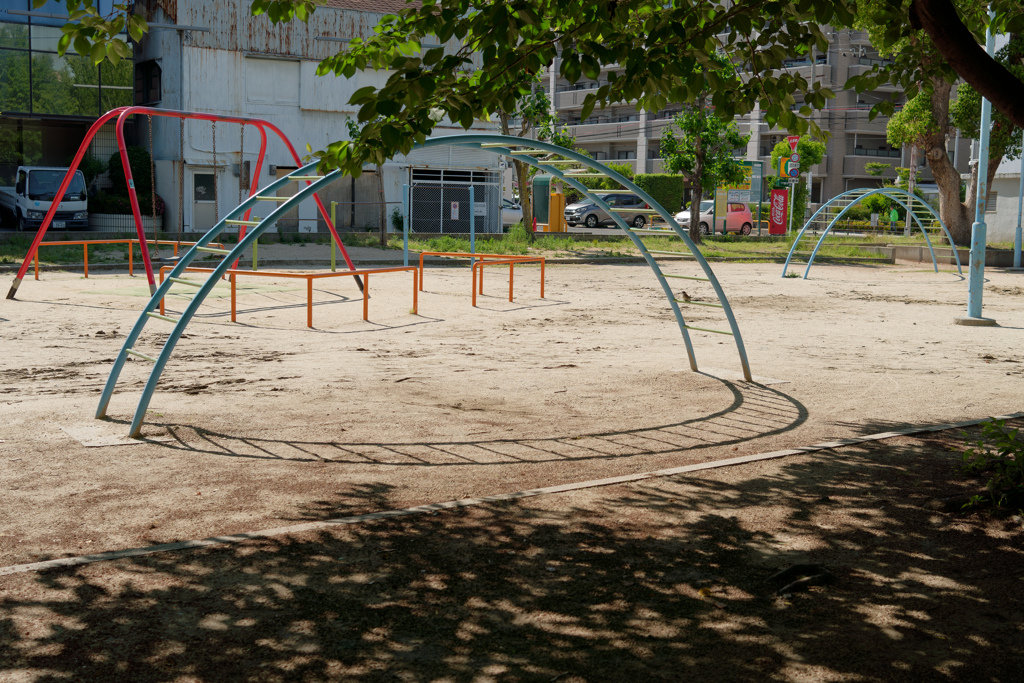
point(660, 580)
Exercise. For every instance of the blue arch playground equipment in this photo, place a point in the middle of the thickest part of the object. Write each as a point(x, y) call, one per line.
point(837, 207)
point(570, 169)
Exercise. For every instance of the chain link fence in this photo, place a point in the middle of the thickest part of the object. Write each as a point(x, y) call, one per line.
point(439, 202)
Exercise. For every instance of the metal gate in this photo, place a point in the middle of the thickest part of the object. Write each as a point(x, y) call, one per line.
point(439, 201)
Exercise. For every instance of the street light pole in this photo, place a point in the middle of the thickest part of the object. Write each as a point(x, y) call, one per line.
point(979, 230)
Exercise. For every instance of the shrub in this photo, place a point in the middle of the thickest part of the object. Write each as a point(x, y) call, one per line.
point(91, 167)
point(998, 454)
point(106, 202)
point(138, 159)
point(858, 212)
point(665, 188)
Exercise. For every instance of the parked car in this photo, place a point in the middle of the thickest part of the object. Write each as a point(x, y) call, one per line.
point(738, 218)
point(589, 214)
point(511, 212)
point(707, 214)
point(26, 203)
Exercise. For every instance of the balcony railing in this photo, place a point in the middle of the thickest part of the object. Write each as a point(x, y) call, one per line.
point(593, 132)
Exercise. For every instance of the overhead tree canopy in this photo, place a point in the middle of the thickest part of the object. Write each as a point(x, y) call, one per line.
point(659, 48)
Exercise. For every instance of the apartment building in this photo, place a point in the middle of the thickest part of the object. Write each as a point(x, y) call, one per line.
point(623, 134)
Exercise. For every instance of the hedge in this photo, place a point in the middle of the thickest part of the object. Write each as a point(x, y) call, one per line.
point(667, 189)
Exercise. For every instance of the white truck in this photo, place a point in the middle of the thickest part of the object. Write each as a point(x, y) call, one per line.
point(25, 205)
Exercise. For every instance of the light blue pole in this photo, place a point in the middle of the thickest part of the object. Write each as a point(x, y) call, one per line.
point(405, 224)
point(979, 231)
point(472, 227)
point(1020, 209)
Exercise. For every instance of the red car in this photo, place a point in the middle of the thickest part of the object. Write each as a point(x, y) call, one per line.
point(737, 219)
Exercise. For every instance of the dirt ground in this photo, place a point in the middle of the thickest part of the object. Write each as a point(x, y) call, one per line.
point(266, 423)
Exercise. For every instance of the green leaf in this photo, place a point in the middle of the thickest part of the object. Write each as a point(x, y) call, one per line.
point(98, 52)
point(363, 95)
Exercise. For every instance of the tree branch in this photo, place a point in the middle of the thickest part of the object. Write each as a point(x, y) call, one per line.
point(958, 46)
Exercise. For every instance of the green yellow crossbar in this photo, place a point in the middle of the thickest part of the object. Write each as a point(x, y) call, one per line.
point(697, 303)
point(704, 329)
point(140, 355)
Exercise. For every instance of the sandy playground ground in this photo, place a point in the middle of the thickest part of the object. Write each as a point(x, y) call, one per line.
point(263, 423)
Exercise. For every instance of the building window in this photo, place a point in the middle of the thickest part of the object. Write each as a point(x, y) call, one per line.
point(272, 81)
point(990, 205)
point(625, 155)
point(148, 87)
point(34, 79)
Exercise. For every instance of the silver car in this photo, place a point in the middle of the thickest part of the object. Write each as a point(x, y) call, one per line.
point(707, 215)
point(589, 214)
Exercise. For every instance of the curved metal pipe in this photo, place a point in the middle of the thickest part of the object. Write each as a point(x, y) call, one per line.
point(625, 182)
point(898, 195)
point(203, 291)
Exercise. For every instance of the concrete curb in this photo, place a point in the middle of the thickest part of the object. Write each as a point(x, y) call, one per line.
point(469, 502)
point(319, 263)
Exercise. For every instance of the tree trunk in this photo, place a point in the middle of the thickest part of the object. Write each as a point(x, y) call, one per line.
point(696, 196)
point(940, 21)
point(957, 215)
point(522, 176)
point(696, 186)
point(525, 193)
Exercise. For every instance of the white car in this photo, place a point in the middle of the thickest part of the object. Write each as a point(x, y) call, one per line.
point(511, 213)
point(707, 210)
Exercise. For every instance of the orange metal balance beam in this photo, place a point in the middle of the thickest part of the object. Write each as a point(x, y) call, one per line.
point(466, 254)
point(130, 242)
point(309, 277)
point(511, 262)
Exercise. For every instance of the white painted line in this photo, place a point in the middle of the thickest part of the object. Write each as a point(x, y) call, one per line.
point(468, 502)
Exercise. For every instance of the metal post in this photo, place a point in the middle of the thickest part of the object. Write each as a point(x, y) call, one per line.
point(334, 244)
point(760, 197)
point(976, 278)
point(910, 187)
point(1020, 209)
point(405, 224)
point(472, 226)
point(789, 230)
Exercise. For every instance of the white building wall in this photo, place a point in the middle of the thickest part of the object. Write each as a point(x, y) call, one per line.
point(243, 68)
point(1002, 223)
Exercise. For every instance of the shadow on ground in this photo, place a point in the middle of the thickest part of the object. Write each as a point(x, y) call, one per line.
point(756, 411)
point(662, 580)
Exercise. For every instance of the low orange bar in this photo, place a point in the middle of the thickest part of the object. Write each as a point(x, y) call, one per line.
point(309, 277)
point(85, 244)
point(466, 254)
point(511, 262)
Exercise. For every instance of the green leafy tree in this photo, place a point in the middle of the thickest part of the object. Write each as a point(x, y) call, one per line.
point(876, 168)
point(811, 153)
point(1004, 135)
point(924, 76)
point(532, 115)
point(702, 153)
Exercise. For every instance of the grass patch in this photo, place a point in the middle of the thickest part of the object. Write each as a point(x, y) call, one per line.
point(730, 247)
point(14, 250)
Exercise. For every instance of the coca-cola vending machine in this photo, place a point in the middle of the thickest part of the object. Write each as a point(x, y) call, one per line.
point(779, 207)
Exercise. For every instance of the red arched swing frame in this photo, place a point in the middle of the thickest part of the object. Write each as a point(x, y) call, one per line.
point(122, 114)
